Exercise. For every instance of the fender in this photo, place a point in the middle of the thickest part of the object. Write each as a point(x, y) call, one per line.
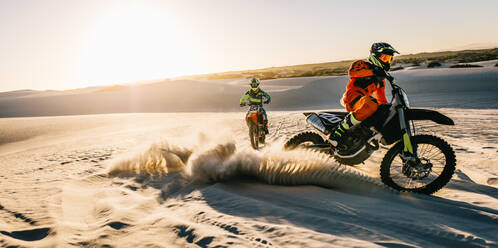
point(426, 114)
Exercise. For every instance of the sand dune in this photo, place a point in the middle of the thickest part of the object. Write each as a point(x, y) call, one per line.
point(191, 180)
point(426, 87)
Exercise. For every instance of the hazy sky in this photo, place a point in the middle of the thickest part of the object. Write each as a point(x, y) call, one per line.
point(63, 44)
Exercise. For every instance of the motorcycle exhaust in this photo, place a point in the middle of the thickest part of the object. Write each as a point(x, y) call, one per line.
point(315, 122)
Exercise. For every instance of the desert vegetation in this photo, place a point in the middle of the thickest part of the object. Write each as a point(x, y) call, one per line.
point(433, 64)
point(397, 68)
point(465, 56)
point(464, 66)
point(339, 68)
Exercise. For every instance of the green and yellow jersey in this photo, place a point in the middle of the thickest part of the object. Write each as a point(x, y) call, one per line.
point(255, 97)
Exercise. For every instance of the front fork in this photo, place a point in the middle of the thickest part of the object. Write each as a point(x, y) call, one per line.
point(412, 166)
point(406, 135)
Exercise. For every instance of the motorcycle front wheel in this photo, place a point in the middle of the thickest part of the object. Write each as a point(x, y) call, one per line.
point(433, 170)
point(253, 136)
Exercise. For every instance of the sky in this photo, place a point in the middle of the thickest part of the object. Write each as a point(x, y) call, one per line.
point(67, 44)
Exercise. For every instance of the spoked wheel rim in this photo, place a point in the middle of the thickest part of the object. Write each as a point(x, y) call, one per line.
point(433, 169)
point(306, 141)
point(305, 145)
point(424, 171)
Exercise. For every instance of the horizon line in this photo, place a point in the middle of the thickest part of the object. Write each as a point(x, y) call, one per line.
point(234, 71)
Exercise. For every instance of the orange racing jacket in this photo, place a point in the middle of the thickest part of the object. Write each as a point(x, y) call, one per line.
point(363, 82)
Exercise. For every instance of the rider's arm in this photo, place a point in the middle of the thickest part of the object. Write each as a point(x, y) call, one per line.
point(243, 99)
point(268, 98)
point(380, 94)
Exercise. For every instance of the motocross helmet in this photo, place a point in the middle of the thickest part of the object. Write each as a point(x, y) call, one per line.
point(254, 84)
point(381, 55)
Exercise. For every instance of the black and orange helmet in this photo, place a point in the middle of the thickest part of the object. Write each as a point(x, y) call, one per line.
point(381, 55)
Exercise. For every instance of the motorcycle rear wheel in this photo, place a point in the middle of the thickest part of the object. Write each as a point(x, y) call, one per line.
point(432, 151)
point(262, 139)
point(304, 140)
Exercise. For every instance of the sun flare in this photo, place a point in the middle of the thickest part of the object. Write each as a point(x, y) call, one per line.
point(136, 43)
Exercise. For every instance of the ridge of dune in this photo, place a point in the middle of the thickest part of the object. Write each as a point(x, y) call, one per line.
point(288, 94)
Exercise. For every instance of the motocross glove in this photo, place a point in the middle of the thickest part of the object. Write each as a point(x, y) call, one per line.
point(381, 74)
point(267, 101)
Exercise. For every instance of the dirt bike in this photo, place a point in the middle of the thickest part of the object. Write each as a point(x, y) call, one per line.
point(254, 120)
point(415, 162)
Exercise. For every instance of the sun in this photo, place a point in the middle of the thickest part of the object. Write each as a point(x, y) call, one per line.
point(136, 43)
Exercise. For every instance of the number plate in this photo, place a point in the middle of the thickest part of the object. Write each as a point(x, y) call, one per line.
point(331, 118)
point(254, 108)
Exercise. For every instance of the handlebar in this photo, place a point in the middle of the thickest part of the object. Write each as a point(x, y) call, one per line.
point(391, 80)
point(246, 104)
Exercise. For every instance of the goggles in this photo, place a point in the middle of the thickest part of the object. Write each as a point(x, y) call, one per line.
point(386, 58)
point(254, 85)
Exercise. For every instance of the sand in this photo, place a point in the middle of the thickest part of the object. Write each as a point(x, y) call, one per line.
point(192, 180)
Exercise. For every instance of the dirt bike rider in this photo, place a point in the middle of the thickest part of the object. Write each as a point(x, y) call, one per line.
point(255, 96)
point(367, 78)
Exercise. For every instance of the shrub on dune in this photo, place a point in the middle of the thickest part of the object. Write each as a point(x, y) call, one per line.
point(307, 74)
point(433, 64)
point(465, 66)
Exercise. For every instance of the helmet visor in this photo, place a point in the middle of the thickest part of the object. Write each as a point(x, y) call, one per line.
point(387, 50)
point(386, 58)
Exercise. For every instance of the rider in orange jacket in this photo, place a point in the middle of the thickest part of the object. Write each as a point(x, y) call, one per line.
point(367, 79)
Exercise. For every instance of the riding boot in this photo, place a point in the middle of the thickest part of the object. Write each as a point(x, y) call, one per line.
point(338, 136)
point(265, 126)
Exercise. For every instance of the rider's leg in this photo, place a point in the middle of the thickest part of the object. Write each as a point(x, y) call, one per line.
point(340, 131)
point(265, 120)
point(365, 107)
point(361, 110)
